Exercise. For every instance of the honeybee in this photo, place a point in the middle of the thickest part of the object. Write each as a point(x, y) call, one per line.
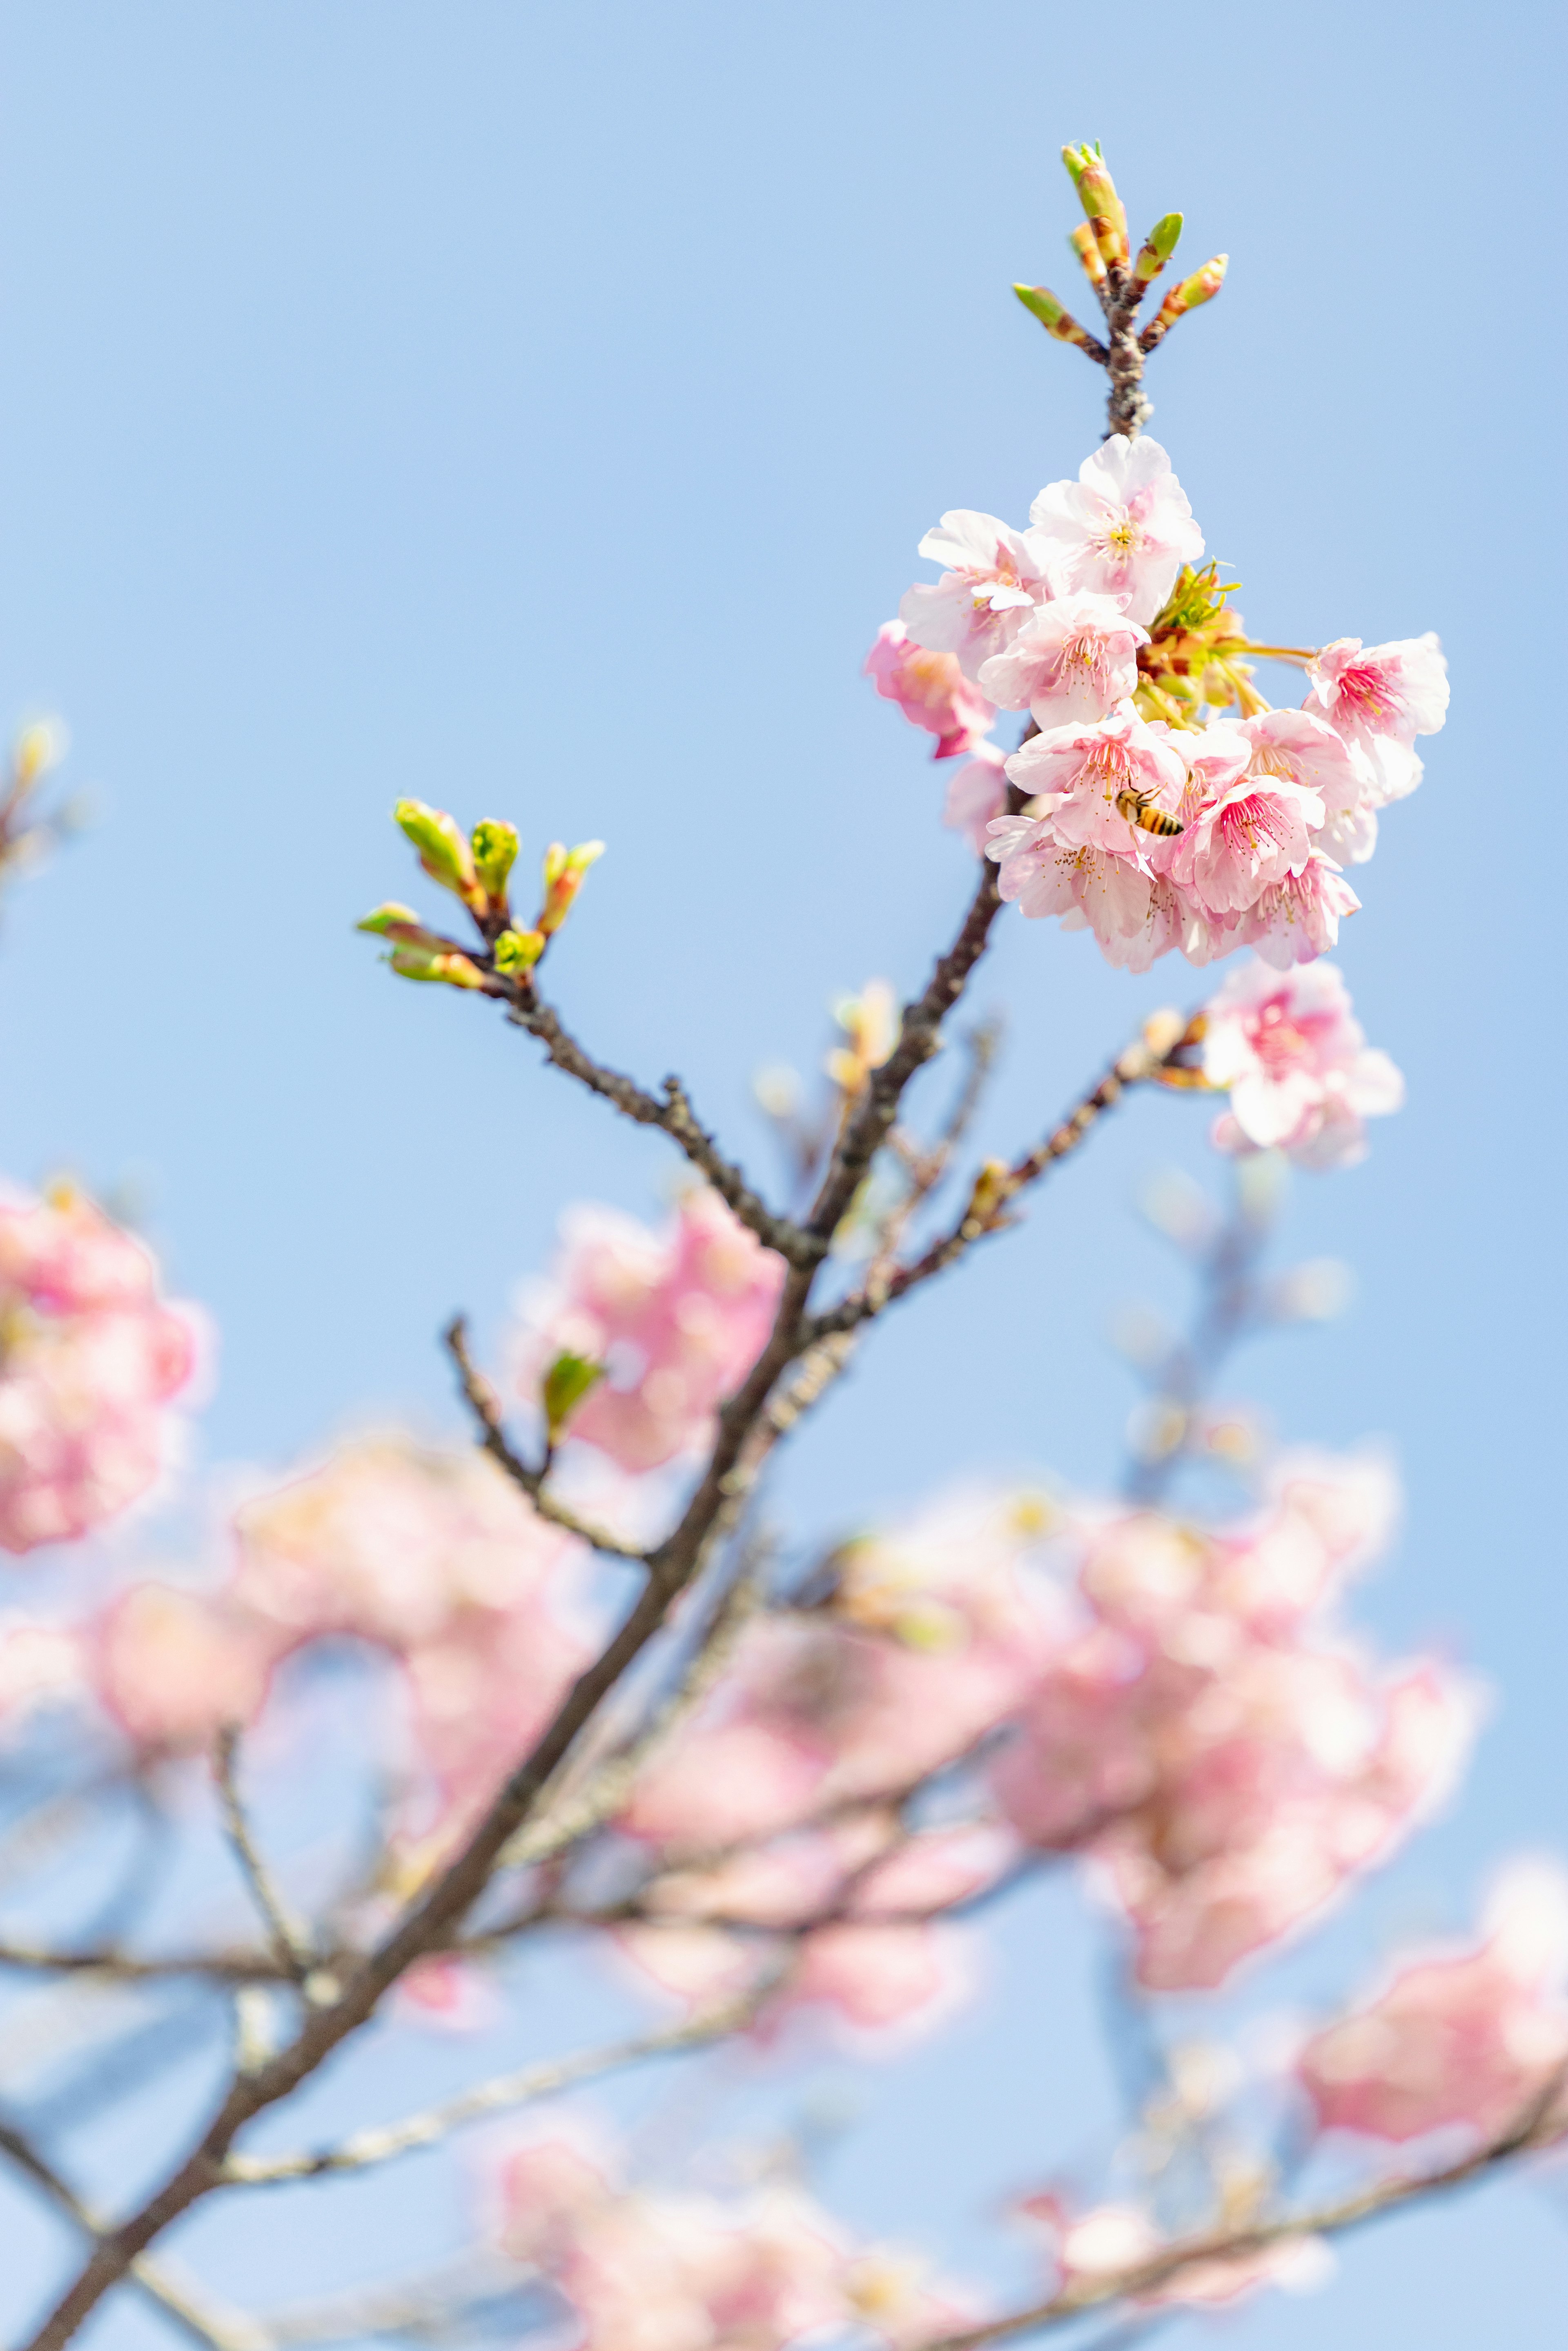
point(1139, 809)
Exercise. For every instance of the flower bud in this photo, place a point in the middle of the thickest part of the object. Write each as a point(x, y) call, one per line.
point(1202, 287)
point(1081, 240)
point(381, 919)
point(563, 875)
point(1097, 194)
point(1156, 250)
point(37, 748)
point(1041, 304)
point(519, 951)
point(443, 851)
point(495, 847)
point(448, 963)
point(568, 1381)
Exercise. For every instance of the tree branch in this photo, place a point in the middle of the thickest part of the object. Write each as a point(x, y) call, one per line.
point(483, 1402)
point(674, 1116)
point(290, 1941)
point(997, 1186)
point(741, 1444)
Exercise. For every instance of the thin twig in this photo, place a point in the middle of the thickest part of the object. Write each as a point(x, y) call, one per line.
point(484, 1404)
point(531, 2082)
point(997, 1187)
point(290, 1941)
point(207, 2323)
point(674, 1117)
point(1537, 2128)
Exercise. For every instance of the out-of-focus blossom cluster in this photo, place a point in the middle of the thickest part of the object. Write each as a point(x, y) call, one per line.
point(1116, 2241)
point(1228, 1760)
point(1472, 2041)
point(433, 1558)
point(654, 2270)
point(676, 1319)
point(1166, 804)
point(1300, 1072)
point(1180, 1711)
point(91, 1358)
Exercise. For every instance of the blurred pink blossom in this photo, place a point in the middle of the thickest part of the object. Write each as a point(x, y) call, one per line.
point(649, 2270)
point(1300, 1075)
point(977, 792)
point(1111, 2239)
point(930, 689)
point(677, 1317)
point(172, 1668)
point(1471, 2039)
point(1123, 528)
point(89, 1359)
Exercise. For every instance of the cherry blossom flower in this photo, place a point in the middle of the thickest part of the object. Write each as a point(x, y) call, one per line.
point(1294, 919)
point(976, 793)
point(172, 1668)
point(1123, 528)
point(930, 689)
point(1070, 661)
point(1300, 1075)
point(1226, 1766)
point(90, 1358)
point(1248, 831)
point(1076, 774)
point(677, 1318)
point(389, 1541)
point(1472, 2038)
point(1375, 694)
point(650, 2271)
point(995, 576)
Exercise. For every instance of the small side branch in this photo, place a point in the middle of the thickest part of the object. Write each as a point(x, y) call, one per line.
point(674, 1117)
point(997, 1185)
point(483, 1402)
point(367, 2148)
point(290, 1942)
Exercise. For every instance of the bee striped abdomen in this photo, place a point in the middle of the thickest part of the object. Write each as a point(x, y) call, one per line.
point(1139, 809)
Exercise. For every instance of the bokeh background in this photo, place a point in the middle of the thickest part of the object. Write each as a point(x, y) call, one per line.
point(535, 410)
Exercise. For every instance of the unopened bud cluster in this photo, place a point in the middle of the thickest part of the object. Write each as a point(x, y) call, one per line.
point(476, 868)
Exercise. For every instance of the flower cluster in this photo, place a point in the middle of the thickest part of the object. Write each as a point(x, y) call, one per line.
point(641, 2271)
point(1474, 2041)
point(1226, 1759)
point(431, 1558)
point(1166, 804)
point(676, 1320)
point(1300, 1075)
point(91, 1359)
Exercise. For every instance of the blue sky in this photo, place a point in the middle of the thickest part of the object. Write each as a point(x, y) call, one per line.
point(536, 411)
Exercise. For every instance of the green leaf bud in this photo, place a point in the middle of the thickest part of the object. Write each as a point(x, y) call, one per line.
point(568, 1381)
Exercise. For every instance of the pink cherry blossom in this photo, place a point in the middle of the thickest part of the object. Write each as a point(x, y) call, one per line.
point(994, 577)
point(172, 1668)
point(654, 2270)
point(389, 1541)
point(976, 793)
point(1070, 661)
point(1472, 2039)
point(1123, 528)
point(930, 689)
point(1076, 774)
point(1296, 919)
point(1248, 831)
point(678, 1318)
point(90, 1358)
point(1376, 694)
point(1227, 1765)
point(1300, 1075)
